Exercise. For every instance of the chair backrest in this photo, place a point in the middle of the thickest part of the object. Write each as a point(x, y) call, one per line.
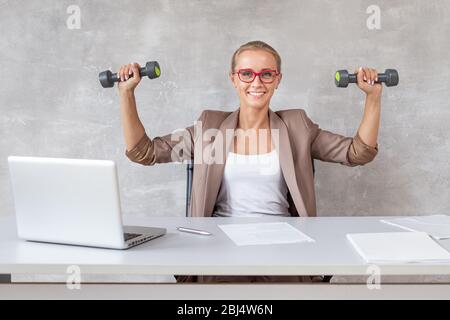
point(190, 174)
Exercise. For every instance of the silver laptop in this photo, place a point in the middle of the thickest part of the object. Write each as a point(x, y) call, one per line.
point(72, 202)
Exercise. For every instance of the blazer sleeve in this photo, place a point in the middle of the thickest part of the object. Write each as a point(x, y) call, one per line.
point(175, 147)
point(331, 147)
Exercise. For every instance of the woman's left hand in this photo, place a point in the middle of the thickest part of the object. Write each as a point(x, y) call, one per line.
point(366, 81)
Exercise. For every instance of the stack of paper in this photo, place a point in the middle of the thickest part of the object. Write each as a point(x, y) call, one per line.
point(398, 247)
point(263, 233)
point(437, 226)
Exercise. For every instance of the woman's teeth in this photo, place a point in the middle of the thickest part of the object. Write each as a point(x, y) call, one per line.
point(256, 94)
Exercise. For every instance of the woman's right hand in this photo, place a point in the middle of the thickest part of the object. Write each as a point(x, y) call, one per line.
point(129, 77)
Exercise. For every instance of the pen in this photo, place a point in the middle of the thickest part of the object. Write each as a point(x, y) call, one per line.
point(195, 231)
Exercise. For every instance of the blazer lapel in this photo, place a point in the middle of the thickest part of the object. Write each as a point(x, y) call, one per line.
point(283, 147)
point(214, 173)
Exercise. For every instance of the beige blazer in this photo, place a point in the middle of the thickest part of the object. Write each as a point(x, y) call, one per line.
point(299, 141)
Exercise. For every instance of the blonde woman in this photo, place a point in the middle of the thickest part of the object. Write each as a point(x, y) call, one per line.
point(264, 167)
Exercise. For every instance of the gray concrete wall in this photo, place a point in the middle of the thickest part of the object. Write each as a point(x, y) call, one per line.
point(52, 105)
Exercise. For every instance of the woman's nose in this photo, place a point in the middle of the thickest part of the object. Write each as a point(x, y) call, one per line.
point(257, 81)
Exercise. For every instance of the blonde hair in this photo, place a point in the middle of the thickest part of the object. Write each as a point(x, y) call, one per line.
point(256, 45)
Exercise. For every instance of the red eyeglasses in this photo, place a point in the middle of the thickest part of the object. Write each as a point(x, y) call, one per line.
point(248, 75)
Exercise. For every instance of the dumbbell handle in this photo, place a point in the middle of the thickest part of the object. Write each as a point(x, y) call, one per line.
point(381, 77)
point(143, 72)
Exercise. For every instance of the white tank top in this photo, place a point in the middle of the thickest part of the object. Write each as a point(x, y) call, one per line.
point(252, 186)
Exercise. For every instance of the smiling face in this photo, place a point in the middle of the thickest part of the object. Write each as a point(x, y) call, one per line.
point(255, 94)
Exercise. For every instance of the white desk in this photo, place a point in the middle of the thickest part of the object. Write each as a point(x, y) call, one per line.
point(188, 254)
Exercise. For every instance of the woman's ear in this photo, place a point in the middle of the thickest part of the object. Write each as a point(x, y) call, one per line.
point(232, 78)
point(279, 80)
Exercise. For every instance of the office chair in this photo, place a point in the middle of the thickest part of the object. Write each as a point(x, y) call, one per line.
point(5, 278)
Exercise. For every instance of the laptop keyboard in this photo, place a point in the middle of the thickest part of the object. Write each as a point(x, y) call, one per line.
point(129, 236)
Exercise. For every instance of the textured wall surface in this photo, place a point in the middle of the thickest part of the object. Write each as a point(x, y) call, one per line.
point(52, 105)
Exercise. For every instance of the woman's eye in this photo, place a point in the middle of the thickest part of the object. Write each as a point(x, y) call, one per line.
point(246, 74)
point(267, 75)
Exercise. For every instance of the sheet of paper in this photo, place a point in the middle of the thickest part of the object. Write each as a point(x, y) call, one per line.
point(437, 226)
point(263, 233)
point(398, 247)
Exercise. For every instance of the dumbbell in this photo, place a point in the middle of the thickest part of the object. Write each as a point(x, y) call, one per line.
point(343, 78)
point(151, 70)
